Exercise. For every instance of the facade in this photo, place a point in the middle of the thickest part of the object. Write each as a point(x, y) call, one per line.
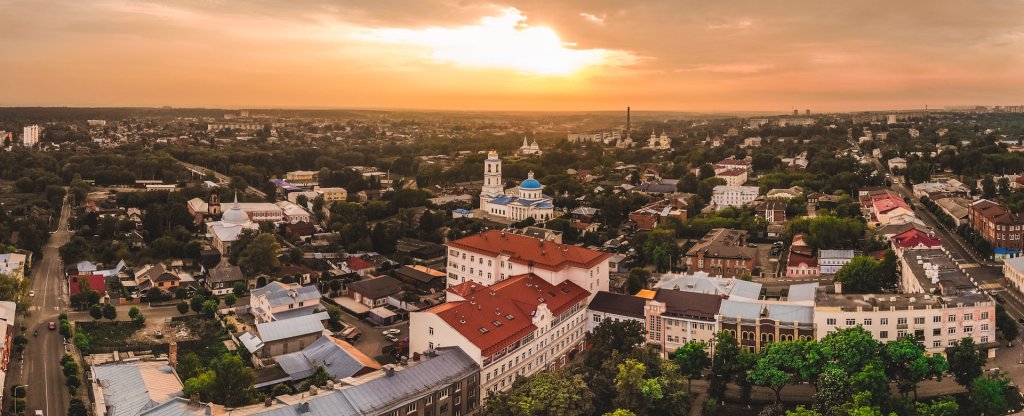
point(8, 312)
point(516, 204)
point(1013, 270)
point(997, 225)
point(513, 328)
point(13, 264)
point(757, 323)
point(772, 210)
point(277, 301)
point(302, 177)
point(226, 231)
point(801, 264)
point(30, 136)
point(282, 337)
point(649, 216)
point(493, 256)
point(662, 142)
point(831, 261)
point(733, 196)
point(615, 306)
point(675, 317)
point(333, 194)
point(722, 252)
point(374, 292)
point(221, 278)
point(733, 176)
point(936, 322)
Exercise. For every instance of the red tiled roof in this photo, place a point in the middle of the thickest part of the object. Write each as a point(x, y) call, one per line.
point(94, 281)
point(529, 250)
point(732, 172)
point(888, 202)
point(796, 258)
point(913, 238)
point(510, 303)
point(356, 263)
point(995, 213)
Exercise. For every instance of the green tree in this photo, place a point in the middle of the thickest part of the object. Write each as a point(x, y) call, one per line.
point(851, 349)
point(318, 379)
point(280, 389)
point(832, 392)
point(723, 364)
point(783, 363)
point(1006, 324)
point(610, 337)
point(633, 390)
point(96, 311)
point(544, 393)
point(77, 408)
point(133, 312)
point(908, 365)
point(182, 307)
point(82, 342)
point(109, 311)
point(239, 289)
point(692, 359)
point(965, 361)
point(861, 275)
point(620, 412)
point(230, 299)
point(660, 248)
point(74, 251)
point(260, 256)
point(943, 406)
point(637, 280)
point(196, 303)
point(988, 395)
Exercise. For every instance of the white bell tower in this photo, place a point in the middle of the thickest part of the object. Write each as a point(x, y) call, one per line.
point(492, 175)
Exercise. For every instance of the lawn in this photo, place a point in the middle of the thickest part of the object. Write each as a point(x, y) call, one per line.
point(117, 335)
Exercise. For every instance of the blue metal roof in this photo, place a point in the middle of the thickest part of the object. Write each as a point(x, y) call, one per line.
point(530, 184)
point(503, 200)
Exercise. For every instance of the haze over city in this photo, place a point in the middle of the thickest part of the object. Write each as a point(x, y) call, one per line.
point(523, 55)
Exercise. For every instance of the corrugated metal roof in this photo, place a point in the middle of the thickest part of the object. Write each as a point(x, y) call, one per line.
point(294, 327)
point(791, 313)
point(802, 292)
point(278, 293)
point(130, 388)
point(740, 309)
point(325, 352)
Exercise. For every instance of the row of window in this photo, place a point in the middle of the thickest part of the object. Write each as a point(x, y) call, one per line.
point(919, 320)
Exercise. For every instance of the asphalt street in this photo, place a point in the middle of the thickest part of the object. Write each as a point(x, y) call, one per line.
point(41, 369)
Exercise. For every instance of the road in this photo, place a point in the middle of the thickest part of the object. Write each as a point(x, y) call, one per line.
point(222, 178)
point(41, 369)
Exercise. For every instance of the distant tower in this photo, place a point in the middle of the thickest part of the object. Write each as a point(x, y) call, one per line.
point(492, 175)
point(796, 112)
point(808, 111)
point(213, 208)
point(627, 123)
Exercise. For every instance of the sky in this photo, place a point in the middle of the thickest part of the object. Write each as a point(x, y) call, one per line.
point(543, 55)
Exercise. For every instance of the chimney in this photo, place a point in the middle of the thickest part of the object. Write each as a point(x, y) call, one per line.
point(172, 354)
point(193, 400)
point(431, 353)
point(415, 356)
point(268, 401)
point(303, 407)
point(389, 370)
point(313, 390)
point(627, 122)
point(405, 360)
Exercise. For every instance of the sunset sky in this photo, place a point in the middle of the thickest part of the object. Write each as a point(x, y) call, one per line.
point(514, 55)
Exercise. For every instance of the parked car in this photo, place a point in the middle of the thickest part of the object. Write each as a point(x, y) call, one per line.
point(392, 331)
point(391, 338)
point(52, 325)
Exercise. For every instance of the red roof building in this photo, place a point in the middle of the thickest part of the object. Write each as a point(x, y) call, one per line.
point(914, 239)
point(80, 283)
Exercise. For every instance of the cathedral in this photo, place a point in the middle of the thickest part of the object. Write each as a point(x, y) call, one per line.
point(530, 149)
point(659, 143)
point(516, 204)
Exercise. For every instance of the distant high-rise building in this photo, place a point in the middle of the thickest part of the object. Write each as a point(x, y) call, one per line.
point(808, 111)
point(243, 114)
point(796, 112)
point(31, 136)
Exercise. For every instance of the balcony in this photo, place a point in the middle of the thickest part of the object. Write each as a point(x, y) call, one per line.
point(902, 326)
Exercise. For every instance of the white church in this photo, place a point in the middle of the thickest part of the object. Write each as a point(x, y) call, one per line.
point(516, 204)
point(530, 149)
point(659, 142)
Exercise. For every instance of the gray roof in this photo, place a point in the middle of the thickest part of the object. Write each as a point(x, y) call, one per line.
point(225, 272)
point(791, 313)
point(278, 293)
point(177, 407)
point(295, 313)
point(324, 352)
point(376, 288)
point(835, 254)
point(803, 292)
point(618, 304)
point(126, 391)
point(381, 393)
point(251, 342)
point(740, 309)
point(289, 328)
point(702, 282)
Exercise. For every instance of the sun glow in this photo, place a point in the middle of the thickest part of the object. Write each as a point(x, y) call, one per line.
point(502, 42)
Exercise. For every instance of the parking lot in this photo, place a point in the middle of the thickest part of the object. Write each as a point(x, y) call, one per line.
point(372, 341)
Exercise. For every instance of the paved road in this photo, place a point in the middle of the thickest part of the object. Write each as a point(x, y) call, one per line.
point(222, 178)
point(41, 368)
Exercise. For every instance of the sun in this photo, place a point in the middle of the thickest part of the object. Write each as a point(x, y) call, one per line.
point(504, 41)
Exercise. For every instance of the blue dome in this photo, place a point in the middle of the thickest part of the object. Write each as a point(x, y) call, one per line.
point(530, 184)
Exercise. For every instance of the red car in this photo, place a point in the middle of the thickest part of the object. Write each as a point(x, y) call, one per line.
point(52, 325)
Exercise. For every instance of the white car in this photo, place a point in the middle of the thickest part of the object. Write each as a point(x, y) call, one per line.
point(391, 338)
point(31, 293)
point(392, 331)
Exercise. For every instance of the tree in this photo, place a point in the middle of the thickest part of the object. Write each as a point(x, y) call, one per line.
point(633, 390)
point(318, 379)
point(908, 365)
point(196, 303)
point(182, 307)
point(109, 311)
point(96, 311)
point(620, 412)
point(783, 363)
point(988, 395)
point(74, 251)
point(637, 280)
point(280, 389)
point(77, 408)
point(723, 368)
point(82, 342)
point(965, 361)
point(133, 312)
point(544, 393)
point(861, 275)
point(1006, 324)
point(692, 359)
point(239, 289)
point(851, 349)
point(230, 299)
point(832, 392)
point(260, 255)
point(612, 337)
point(943, 406)
point(660, 248)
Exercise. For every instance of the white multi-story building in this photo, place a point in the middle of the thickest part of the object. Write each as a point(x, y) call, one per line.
point(333, 194)
point(513, 328)
point(30, 136)
point(831, 261)
point(493, 256)
point(935, 321)
point(733, 196)
point(733, 176)
point(516, 204)
point(1013, 269)
point(279, 301)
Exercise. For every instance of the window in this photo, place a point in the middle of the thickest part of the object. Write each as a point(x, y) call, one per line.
point(901, 334)
point(867, 321)
point(883, 334)
point(968, 316)
point(936, 344)
point(984, 339)
point(851, 322)
point(444, 394)
point(884, 321)
point(830, 321)
point(951, 318)
point(952, 330)
point(984, 315)
point(430, 330)
point(410, 408)
point(969, 328)
point(936, 332)
point(901, 321)
point(936, 318)
point(984, 327)
point(919, 320)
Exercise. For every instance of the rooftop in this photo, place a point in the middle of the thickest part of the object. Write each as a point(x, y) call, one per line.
point(528, 250)
point(377, 287)
point(857, 302)
point(723, 243)
point(289, 328)
point(618, 304)
point(278, 293)
point(936, 271)
point(688, 305)
point(128, 389)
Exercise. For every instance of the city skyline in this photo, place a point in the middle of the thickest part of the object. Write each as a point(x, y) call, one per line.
point(569, 56)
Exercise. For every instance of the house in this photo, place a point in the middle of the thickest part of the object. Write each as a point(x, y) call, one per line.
point(914, 239)
point(756, 323)
point(8, 313)
point(421, 252)
point(374, 292)
point(359, 266)
point(299, 229)
point(280, 301)
point(13, 264)
point(222, 278)
point(282, 337)
point(423, 278)
point(733, 176)
point(339, 358)
point(679, 317)
point(649, 216)
point(772, 210)
point(539, 233)
point(897, 163)
point(614, 306)
point(833, 260)
point(79, 283)
point(659, 187)
point(802, 264)
point(785, 193)
point(733, 196)
point(159, 276)
point(133, 388)
point(723, 252)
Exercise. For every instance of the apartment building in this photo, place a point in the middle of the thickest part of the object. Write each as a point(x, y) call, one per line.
point(723, 252)
point(675, 317)
point(997, 225)
point(733, 196)
point(494, 256)
point(515, 327)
